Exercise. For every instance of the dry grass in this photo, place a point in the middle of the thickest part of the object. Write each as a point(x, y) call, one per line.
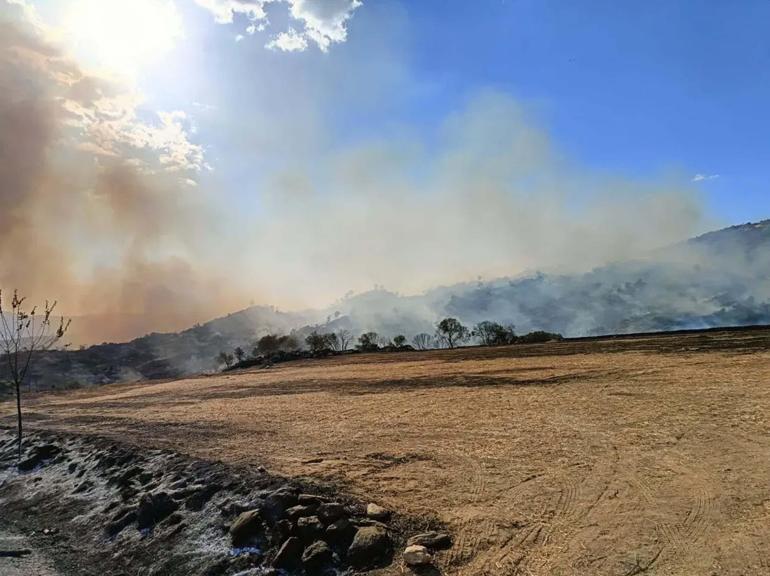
point(614, 457)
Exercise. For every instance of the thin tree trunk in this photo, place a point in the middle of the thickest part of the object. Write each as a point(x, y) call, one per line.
point(18, 414)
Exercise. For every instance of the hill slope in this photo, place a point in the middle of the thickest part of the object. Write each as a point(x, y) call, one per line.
point(719, 279)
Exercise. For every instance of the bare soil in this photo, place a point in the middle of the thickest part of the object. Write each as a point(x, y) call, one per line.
point(646, 455)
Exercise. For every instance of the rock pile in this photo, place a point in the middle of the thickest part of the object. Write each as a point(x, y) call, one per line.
point(134, 510)
point(311, 532)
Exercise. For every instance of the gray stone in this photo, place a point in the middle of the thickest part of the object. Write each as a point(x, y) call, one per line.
point(416, 555)
point(431, 540)
point(330, 511)
point(376, 512)
point(371, 547)
point(316, 557)
point(310, 528)
point(290, 555)
point(245, 527)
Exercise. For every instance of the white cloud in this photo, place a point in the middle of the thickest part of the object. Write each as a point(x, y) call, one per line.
point(324, 22)
point(290, 41)
point(224, 11)
point(702, 177)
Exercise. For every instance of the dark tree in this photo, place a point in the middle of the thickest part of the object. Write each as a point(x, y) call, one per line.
point(344, 337)
point(451, 332)
point(494, 334)
point(268, 344)
point(423, 341)
point(399, 341)
point(318, 342)
point(23, 334)
point(368, 342)
point(332, 341)
point(239, 354)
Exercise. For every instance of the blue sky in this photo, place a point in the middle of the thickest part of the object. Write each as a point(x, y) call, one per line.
point(638, 88)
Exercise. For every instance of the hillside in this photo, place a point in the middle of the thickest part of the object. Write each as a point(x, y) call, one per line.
point(718, 279)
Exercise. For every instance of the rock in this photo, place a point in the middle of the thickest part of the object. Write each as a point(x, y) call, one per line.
point(431, 540)
point(153, 508)
point(278, 501)
point(281, 531)
point(245, 527)
point(340, 533)
point(290, 555)
point(300, 511)
point(371, 547)
point(316, 557)
point(416, 555)
point(328, 512)
point(376, 512)
point(364, 522)
point(310, 528)
point(311, 499)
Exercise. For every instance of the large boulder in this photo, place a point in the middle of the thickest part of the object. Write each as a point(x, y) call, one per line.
point(246, 526)
point(371, 547)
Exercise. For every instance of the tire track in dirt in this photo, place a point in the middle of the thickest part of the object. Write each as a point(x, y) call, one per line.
point(680, 537)
point(513, 548)
point(469, 532)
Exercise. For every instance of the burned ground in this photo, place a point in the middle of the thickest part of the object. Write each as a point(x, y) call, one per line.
point(614, 456)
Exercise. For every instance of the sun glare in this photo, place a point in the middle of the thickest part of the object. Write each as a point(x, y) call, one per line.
point(122, 37)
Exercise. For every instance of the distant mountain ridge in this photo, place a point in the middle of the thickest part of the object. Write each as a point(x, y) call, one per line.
point(720, 278)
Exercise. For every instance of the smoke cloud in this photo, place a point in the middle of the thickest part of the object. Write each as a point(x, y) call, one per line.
point(96, 208)
point(100, 208)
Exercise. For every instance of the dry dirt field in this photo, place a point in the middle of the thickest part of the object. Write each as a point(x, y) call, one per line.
point(612, 457)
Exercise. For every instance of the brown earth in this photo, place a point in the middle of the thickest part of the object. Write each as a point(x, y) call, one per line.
point(619, 457)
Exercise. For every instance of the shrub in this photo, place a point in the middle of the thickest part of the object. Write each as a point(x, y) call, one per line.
point(539, 336)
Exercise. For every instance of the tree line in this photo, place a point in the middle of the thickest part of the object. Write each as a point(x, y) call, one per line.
point(449, 333)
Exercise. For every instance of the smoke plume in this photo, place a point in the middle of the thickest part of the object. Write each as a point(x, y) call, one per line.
point(99, 207)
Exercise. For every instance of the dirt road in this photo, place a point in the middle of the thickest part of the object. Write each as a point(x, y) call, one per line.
point(644, 456)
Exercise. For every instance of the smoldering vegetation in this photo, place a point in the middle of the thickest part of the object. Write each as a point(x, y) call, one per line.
point(718, 279)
